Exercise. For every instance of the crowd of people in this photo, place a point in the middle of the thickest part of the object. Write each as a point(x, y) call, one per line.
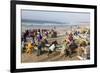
point(37, 40)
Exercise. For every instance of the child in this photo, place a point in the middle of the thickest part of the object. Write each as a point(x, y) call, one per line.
point(29, 47)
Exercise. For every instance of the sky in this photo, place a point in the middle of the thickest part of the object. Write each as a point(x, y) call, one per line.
point(54, 17)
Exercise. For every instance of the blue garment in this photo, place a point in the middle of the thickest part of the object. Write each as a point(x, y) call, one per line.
point(39, 37)
point(39, 50)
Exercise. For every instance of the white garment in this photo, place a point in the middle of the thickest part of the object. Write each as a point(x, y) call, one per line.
point(52, 47)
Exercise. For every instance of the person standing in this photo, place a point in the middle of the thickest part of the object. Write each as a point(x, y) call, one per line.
point(70, 38)
point(39, 50)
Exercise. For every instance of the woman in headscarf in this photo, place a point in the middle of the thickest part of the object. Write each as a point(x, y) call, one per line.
point(70, 38)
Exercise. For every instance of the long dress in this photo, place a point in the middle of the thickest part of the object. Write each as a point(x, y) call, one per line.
point(64, 47)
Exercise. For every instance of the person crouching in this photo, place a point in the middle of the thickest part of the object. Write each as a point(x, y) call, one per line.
point(52, 47)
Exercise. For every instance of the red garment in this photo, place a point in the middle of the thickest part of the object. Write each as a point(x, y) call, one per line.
point(70, 38)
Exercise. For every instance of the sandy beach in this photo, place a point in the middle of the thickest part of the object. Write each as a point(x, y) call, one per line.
point(55, 56)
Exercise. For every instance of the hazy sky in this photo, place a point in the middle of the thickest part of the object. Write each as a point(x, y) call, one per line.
point(56, 17)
